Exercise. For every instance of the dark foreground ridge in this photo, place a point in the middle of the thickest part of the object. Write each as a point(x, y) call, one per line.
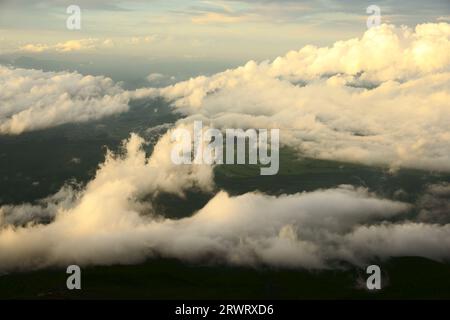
point(161, 279)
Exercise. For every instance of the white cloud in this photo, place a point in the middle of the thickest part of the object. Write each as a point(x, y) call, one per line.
point(107, 211)
point(443, 18)
point(152, 77)
point(33, 99)
point(158, 79)
point(44, 211)
point(68, 46)
point(382, 99)
point(109, 222)
point(34, 48)
point(315, 97)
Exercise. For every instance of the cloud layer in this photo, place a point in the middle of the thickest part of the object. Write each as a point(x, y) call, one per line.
point(68, 46)
point(112, 220)
point(383, 99)
point(33, 99)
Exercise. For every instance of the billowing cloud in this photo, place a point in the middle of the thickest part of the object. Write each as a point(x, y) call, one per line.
point(43, 212)
point(382, 99)
point(112, 220)
point(33, 99)
point(114, 200)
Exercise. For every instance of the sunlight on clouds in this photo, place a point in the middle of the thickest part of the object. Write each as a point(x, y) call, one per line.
point(69, 46)
point(212, 17)
point(310, 230)
point(382, 99)
point(33, 99)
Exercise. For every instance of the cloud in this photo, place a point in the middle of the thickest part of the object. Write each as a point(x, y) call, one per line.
point(382, 99)
point(34, 48)
point(68, 46)
point(331, 14)
point(33, 99)
point(145, 39)
point(43, 212)
point(443, 18)
point(110, 205)
point(159, 80)
point(112, 220)
point(434, 204)
point(155, 77)
point(214, 17)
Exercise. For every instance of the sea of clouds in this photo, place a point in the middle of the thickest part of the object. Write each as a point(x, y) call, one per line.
point(382, 99)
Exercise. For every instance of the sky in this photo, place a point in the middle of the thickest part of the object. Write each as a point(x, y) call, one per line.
point(186, 38)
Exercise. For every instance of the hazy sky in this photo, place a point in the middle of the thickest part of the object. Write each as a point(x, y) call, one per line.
point(206, 36)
